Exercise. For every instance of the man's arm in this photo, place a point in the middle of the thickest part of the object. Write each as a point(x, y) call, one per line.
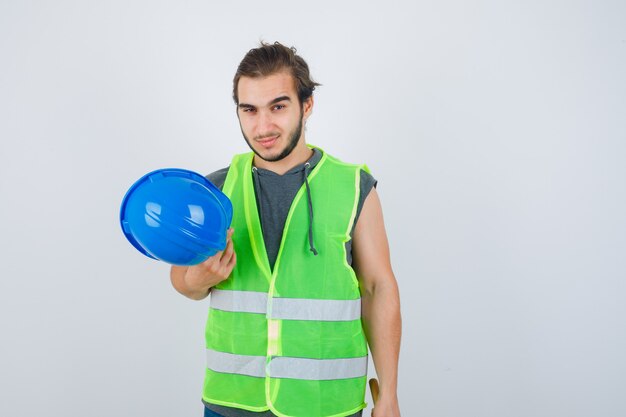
point(196, 281)
point(380, 301)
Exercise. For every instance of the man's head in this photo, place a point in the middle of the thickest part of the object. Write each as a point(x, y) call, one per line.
point(274, 95)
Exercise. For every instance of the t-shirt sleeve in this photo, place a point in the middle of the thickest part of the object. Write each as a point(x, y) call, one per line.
point(366, 184)
point(218, 177)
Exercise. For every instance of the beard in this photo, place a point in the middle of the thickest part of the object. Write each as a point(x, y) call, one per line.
point(291, 143)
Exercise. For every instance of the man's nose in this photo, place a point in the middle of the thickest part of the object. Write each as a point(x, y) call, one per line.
point(266, 122)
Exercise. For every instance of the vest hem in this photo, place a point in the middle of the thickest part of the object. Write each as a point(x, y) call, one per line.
point(342, 414)
point(236, 405)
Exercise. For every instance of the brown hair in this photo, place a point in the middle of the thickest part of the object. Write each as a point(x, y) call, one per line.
point(269, 59)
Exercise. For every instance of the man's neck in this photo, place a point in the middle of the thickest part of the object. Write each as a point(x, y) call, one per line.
point(300, 154)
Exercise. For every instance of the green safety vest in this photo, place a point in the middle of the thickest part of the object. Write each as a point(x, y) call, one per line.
point(290, 340)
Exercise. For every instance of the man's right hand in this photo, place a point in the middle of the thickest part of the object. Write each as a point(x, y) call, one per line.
point(196, 281)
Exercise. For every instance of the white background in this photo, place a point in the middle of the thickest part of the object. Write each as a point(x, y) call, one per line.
point(496, 130)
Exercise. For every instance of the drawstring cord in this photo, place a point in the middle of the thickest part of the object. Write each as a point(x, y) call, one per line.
point(307, 168)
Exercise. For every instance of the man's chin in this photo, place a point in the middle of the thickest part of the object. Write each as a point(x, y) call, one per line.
point(268, 155)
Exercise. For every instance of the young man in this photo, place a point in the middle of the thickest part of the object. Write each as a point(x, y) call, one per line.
point(305, 282)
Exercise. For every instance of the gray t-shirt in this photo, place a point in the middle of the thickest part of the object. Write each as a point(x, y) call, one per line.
point(274, 194)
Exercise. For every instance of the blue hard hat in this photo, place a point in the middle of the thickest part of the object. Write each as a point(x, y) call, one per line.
point(176, 216)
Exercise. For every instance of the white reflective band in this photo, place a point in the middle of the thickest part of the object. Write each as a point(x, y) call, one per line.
point(320, 310)
point(286, 308)
point(318, 369)
point(284, 367)
point(235, 364)
point(239, 301)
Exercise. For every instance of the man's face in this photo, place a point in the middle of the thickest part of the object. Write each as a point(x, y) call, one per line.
point(270, 116)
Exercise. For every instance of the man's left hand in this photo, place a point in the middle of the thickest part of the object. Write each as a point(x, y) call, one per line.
point(386, 408)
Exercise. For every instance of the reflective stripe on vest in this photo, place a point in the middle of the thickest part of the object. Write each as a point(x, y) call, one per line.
point(229, 363)
point(318, 369)
point(285, 367)
point(239, 301)
point(286, 308)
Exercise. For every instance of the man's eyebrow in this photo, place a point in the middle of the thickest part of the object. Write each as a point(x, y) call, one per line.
point(279, 99)
point(274, 101)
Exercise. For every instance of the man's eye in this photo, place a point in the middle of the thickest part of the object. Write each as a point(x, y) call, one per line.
point(279, 107)
point(248, 110)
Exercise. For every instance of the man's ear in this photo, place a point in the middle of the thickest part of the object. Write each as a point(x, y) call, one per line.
point(307, 108)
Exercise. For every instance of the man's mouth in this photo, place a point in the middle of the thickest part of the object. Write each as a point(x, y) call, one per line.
point(268, 141)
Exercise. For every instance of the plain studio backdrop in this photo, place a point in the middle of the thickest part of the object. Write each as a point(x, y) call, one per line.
point(496, 130)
